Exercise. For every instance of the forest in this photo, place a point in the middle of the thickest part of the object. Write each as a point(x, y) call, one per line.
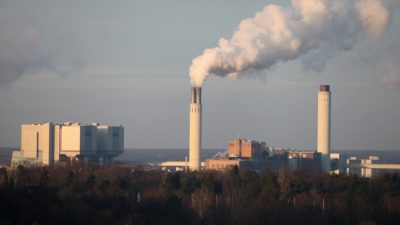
point(81, 194)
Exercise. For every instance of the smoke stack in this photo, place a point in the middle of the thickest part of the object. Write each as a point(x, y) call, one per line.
point(195, 129)
point(324, 126)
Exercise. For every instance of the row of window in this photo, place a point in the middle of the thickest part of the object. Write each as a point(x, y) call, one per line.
point(218, 165)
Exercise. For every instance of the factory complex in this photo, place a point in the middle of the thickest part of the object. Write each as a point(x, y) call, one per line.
point(255, 155)
point(247, 154)
point(49, 143)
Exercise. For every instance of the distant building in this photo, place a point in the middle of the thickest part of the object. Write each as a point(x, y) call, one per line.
point(248, 154)
point(356, 166)
point(247, 149)
point(48, 143)
point(221, 163)
point(255, 155)
point(304, 160)
point(250, 164)
point(338, 163)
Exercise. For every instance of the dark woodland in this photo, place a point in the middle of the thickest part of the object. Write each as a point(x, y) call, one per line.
point(125, 195)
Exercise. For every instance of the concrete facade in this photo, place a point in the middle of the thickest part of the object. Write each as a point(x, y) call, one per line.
point(110, 139)
point(48, 143)
point(78, 139)
point(37, 142)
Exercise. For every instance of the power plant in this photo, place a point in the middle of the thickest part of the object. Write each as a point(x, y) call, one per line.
point(195, 129)
point(50, 143)
point(324, 126)
point(320, 159)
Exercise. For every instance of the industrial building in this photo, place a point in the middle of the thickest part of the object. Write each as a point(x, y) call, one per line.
point(242, 151)
point(368, 167)
point(272, 164)
point(49, 143)
point(247, 149)
point(248, 154)
point(255, 155)
point(354, 167)
point(221, 163)
point(304, 160)
point(338, 163)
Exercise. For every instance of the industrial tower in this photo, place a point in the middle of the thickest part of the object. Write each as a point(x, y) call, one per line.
point(195, 129)
point(324, 126)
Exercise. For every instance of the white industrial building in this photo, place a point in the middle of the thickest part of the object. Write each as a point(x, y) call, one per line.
point(48, 143)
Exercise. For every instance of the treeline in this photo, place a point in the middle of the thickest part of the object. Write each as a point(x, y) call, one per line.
point(124, 195)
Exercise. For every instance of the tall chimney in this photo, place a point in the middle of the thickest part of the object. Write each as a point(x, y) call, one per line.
point(195, 129)
point(324, 126)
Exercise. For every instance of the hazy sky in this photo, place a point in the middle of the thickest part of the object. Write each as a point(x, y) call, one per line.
point(126, 62)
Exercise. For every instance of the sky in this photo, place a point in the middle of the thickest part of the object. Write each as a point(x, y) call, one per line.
point(127, 63)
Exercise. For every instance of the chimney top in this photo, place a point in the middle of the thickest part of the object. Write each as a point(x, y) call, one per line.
point(324, 87)
point(196, 95)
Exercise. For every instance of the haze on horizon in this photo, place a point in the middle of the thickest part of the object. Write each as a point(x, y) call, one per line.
point(126, 62)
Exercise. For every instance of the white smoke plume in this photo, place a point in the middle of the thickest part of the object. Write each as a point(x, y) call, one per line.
point(22, 52)
point(392, 80)
point(221, 154)
point(310, 30)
